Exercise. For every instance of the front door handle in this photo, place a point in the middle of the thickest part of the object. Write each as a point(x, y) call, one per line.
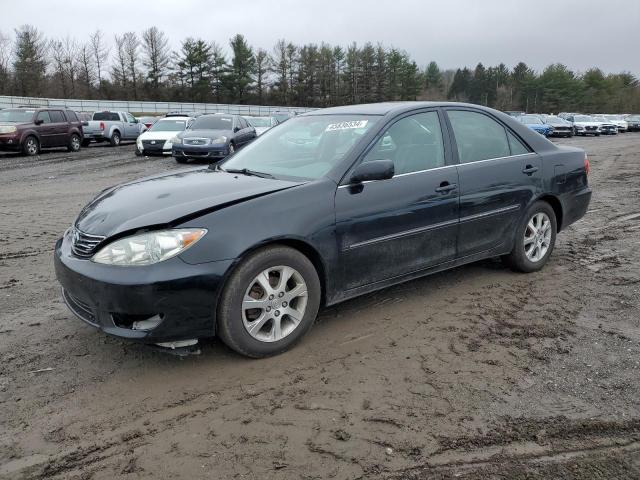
point(446, 187)
point(530, 170)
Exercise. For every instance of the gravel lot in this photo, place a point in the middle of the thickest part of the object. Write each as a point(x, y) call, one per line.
point(474, 373)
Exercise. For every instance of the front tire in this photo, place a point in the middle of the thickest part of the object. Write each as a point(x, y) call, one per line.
point(270, 301)
point(535, 239)
point(31, 146)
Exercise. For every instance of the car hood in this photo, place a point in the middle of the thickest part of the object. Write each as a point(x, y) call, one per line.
point(170, 199)
point(588, 124)
point(210, 134)
point(158, 135)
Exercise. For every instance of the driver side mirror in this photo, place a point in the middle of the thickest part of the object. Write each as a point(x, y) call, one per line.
point(373, 170)
point(39, 121)
point(236, 129)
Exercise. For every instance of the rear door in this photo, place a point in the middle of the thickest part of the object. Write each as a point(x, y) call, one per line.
point(60, 128)
point(393, 227)
point(498, 176)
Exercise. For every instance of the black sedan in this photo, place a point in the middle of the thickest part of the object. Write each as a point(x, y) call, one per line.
point(212, 137)
point(328, 206)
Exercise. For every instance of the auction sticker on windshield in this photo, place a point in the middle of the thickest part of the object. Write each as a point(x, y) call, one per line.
point(346, 125)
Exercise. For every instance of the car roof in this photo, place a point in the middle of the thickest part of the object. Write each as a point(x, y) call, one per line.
point(389, 108)
point(174, 118)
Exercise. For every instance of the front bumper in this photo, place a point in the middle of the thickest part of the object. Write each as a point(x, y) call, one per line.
point(9, 142)
point(194, 152)
point(112, 298)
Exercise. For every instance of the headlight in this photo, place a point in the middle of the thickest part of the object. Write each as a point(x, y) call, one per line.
point(221, 139)
point(8, 129)
point(148, 248)
point(176, 140)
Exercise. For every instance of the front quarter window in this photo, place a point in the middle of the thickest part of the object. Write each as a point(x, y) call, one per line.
point(303, 147)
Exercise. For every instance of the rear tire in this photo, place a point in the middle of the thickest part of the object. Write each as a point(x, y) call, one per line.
point(115, 139)
point(31, 146)
point(523, 257)
point(279, 302)
point(74, 143)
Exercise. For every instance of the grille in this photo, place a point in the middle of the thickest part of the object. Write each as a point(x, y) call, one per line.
point(152, 144)
point(591, 128)
point(79, 308)
point(84, 245)
point(196, 141)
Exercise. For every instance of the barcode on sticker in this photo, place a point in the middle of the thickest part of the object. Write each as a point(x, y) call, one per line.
point(346, 125)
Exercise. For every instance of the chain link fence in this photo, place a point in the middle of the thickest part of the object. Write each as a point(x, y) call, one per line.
point(145, 107)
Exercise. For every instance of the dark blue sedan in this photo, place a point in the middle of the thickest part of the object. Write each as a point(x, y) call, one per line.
point(328, 206)
point(212, 138)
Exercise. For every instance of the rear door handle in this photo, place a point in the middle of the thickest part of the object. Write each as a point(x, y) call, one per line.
point(446, 187)
point(530, 169)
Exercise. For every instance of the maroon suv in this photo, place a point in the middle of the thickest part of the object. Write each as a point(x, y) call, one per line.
point(29, 130)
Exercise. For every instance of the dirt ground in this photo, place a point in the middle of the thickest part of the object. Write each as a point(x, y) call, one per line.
point(474, 373)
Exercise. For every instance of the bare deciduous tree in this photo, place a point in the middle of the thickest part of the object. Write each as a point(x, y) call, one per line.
point(100, 53)
point(157, 56)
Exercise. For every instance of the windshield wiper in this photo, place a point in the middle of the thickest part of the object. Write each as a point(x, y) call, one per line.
point(246, 171)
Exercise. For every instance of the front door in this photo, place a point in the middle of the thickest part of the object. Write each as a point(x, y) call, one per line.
point(498, 176)
point(131, 126)
point(408, 223)
point(45, 129)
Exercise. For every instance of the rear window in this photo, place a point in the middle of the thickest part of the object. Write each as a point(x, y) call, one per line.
point(106, 116)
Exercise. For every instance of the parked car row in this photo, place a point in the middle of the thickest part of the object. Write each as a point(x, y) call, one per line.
point(570, 124)
point(193, 136)
point(30, 129)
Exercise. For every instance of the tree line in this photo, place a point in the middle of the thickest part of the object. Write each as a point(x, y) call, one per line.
point(133, 66)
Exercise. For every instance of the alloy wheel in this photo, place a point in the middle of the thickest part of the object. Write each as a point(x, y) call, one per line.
point(274, 304)
point(537, 237)
point(32, 146)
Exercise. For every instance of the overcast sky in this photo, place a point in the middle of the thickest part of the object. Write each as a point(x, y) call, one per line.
point(579, 33)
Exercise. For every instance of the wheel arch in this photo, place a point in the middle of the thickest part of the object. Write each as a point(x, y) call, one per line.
point(301, 246)
point(557, 208)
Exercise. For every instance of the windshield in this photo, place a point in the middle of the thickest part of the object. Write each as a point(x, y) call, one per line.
point(303, 147)
point(16, 116)
point(600, 119)
point(213, 122)
point(615, 117)
point(259, 121)
point(554, 119)
point(582, 118)
point(531, 120)
point(634, 118)
point(168, 126)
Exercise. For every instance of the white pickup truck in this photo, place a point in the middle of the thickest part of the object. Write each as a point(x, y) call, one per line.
point(112, 127)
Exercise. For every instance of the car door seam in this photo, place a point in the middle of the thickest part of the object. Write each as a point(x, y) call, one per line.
point(490, 213)
point(394, 236)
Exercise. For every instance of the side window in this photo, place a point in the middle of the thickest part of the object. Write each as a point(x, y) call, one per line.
point(57, 116)
point(413, 143)
point(478, 136)
point(242, 122)
point(517, 147)
point(130, 118)
point(71, 116)
point(44, 116)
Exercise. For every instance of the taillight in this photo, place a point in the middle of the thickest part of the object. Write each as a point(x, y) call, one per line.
point(101, 125)
point(587, 165)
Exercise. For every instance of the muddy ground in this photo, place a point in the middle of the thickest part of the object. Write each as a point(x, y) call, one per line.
point(473, 373)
